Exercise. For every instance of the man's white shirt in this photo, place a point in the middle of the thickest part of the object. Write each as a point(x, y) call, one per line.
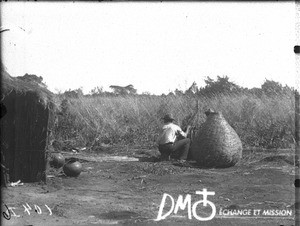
point(169, 133)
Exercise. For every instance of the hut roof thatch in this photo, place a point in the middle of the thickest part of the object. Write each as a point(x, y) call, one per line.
point(9, 84)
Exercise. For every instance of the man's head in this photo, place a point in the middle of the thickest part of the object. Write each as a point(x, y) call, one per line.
point(168, 118)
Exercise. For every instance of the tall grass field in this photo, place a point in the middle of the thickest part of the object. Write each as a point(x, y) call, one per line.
point(87, 121)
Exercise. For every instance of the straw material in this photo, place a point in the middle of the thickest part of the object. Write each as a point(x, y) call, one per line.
point(10, 84)
point(216, 144)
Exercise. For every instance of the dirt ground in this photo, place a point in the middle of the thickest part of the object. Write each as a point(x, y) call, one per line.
point(128, 190)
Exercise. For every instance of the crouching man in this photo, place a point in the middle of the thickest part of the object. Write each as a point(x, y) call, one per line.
point(173, 142)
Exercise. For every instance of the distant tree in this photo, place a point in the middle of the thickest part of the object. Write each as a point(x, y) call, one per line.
point(118, 90)
point(32, 79)
point(126, 90)
point(130, 89)
point(272, 88)
point(221, 86)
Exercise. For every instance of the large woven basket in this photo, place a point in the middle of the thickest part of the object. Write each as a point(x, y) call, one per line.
point(216, 144)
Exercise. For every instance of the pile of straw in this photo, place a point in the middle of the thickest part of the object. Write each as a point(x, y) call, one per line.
point(216, 144)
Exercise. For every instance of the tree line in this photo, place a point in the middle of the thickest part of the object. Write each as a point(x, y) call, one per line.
point(219, 86)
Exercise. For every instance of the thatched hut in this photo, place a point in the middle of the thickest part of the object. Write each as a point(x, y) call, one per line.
point(25, 128)
point(216, 144)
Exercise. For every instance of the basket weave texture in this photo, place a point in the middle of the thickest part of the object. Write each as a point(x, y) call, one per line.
point(216, 144)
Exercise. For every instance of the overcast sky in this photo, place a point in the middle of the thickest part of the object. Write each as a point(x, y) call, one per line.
point(156, 47)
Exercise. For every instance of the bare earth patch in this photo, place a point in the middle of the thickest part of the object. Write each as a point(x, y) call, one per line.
point(128, 190)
